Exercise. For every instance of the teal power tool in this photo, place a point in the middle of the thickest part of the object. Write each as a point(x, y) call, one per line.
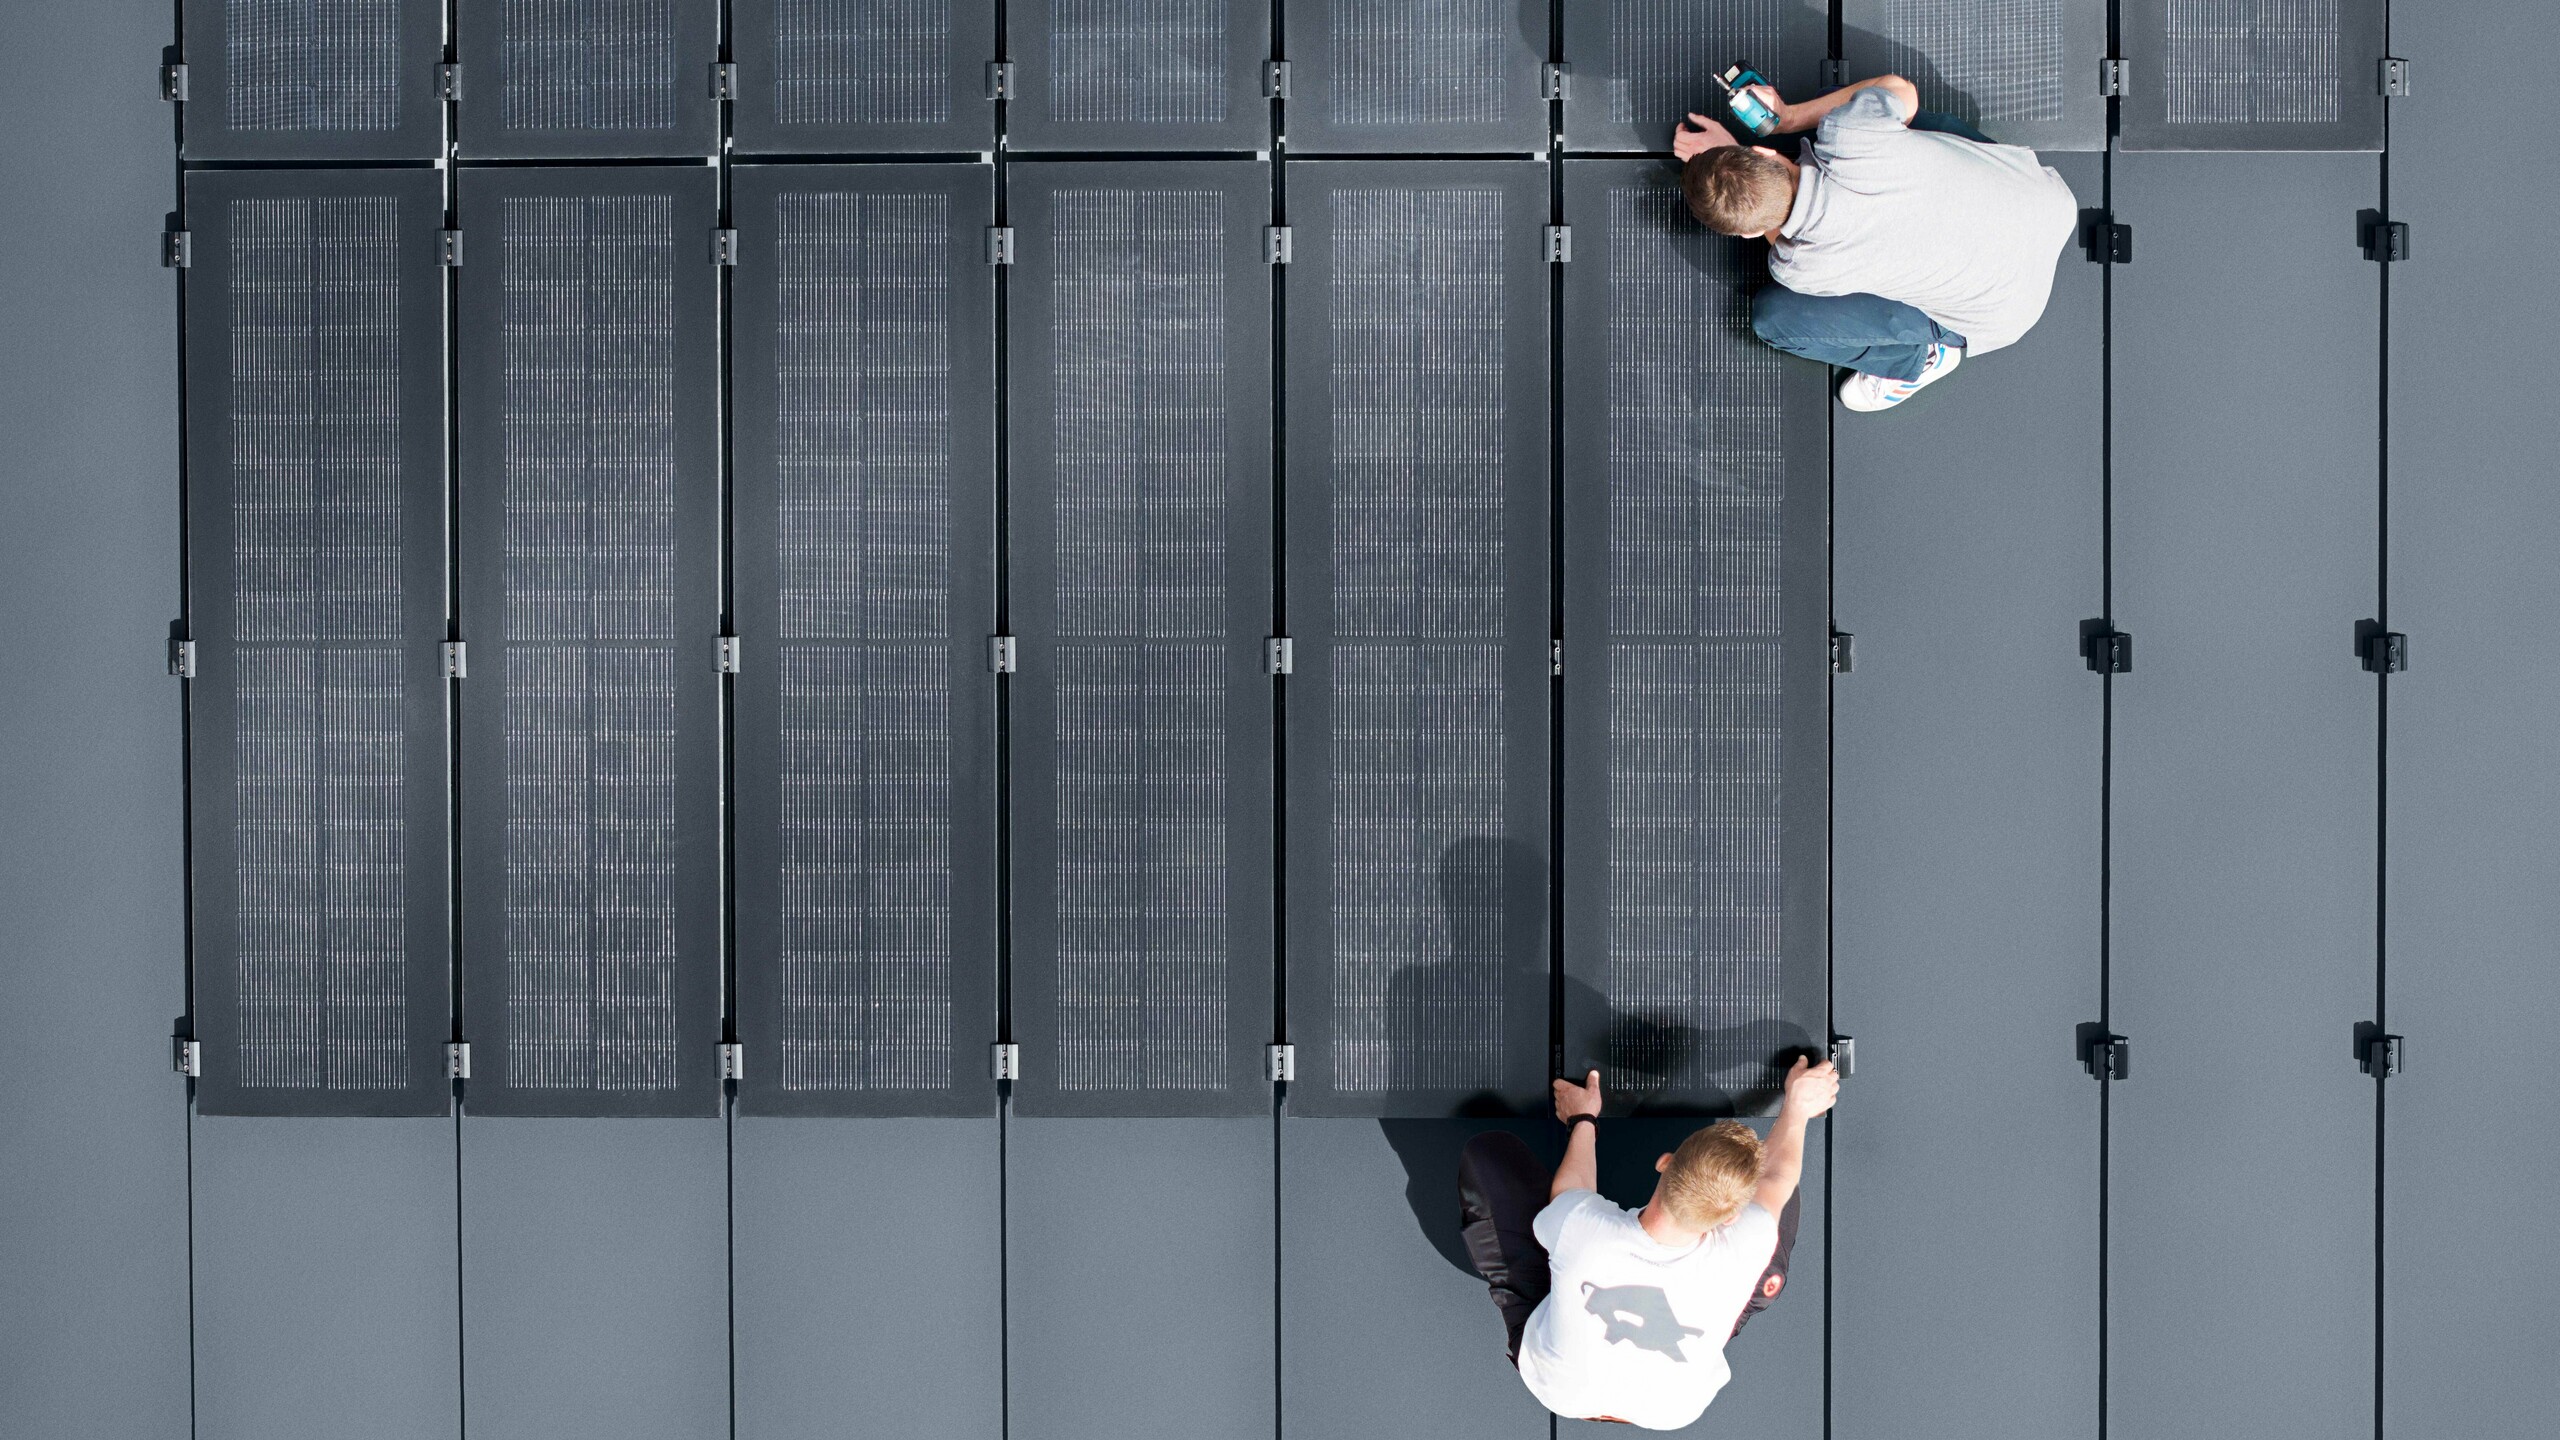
point(1750, 109)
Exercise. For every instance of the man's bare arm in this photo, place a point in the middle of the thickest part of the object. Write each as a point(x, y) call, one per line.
point(1581, 1167)
point(1803, 115)
point(1811, 1090)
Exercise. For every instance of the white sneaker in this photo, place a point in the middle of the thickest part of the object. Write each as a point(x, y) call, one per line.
point(1874, 392)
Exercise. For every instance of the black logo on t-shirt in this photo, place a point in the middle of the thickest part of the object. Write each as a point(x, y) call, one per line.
point(1639, 1315)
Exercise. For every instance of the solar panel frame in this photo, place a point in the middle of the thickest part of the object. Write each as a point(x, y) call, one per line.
point(1681, 1059)
point(1240, 193)
point(966, 196)
point(675, 86)
point(2024, 72)
point(221, 66)
point(967, 36)
point(1224, 109)
point(1340, 67)
point(1639, 65)
point(1476, 925)
point(215, 473)
point(2178, 100)
point(689, 348)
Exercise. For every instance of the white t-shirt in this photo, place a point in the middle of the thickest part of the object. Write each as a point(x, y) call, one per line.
point(1634, 1328)
point(1968, 233)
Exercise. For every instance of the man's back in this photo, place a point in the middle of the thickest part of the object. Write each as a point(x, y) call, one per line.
point(1632, 1328)
point(1968, 233)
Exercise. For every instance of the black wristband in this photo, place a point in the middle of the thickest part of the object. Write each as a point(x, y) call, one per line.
point(1591, 1120)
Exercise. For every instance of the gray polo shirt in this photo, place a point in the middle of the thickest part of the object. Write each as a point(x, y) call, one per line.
point(1966, 232)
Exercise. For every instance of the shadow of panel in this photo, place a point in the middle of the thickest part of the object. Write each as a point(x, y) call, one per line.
point(1777, 1361)
point(1139, 1269)
point(324, 1281)
point(1385, 1329)
point(2024, 72)
point(1965, 897)
point(868, 1282)
point(2474, 837)
point(595, 1278)
point(2240, 1256)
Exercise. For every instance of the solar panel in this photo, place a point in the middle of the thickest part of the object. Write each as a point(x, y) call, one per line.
point(1140, 434)
point(1418, 563)
point(866, 745)
point(1639, 65)
point(313, 79)
point(1696, 685)
point(1139, 75)
point(2253, 74)
point(591, 745)
point(1440, 75)
point(2025, 72)
point(578, 78)
point(316, 496)
point(863, 75)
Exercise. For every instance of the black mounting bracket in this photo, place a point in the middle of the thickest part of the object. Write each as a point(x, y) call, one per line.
point(1844, 652)
point(2105, 649)
point(2377, 1052)
point(2103, 1053)
point(2384, 652)
point(2108, 242)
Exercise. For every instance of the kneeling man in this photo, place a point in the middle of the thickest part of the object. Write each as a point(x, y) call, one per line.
point(1901, 240)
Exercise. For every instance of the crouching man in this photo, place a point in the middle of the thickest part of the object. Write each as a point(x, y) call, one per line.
point(1618, 1314)
point(1901, 240)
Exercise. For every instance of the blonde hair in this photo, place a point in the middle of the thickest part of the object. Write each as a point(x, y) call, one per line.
point(1734, 190)
point(1712, 1175)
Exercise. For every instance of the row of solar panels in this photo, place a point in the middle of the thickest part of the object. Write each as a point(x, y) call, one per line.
point(886, 892)
point(369, 79)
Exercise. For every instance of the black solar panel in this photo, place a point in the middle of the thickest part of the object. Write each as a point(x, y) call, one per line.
point(2024, 71)
point(576, 78)
point(2253, 74)
point(1418, 563)
point(316, 497)
point(866, 759)
point(1441, 75)
point(591, 745)
point(1696, 685)
point(313, 79)
point(863, 75)
point(1140, 434)
point(1139, 74)
point(1639, 65)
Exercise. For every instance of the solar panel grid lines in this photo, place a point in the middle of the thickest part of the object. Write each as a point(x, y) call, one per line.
point(861, 62)
point(2004, 60)
point(588, 64)
point(1439, 62)
point(1140, 323)
point(864, 366)
point(1418, 628)
point(1639, 65)
point(312, 439)
point(584, 390)
point(2244, 61)
point(331, 65)
point(319, 768)
point(1694, 831)
point(1140, 61)
point(1141, 606)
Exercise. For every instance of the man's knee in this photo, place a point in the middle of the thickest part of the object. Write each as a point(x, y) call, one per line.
point(1775, 311)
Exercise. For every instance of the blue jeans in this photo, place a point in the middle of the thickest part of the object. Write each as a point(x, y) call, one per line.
point(1867, 333)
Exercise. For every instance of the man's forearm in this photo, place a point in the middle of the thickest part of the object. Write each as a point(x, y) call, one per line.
point(1803, 115)
point(1581, 1167)
point(1782, 1162)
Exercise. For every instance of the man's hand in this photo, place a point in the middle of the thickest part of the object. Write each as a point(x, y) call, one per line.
point(1572, 1099)
point(1687, 143)
point(1811, 1090)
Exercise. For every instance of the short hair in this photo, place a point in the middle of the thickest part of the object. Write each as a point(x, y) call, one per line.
point(1735, 190)
point(1712, 1175)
